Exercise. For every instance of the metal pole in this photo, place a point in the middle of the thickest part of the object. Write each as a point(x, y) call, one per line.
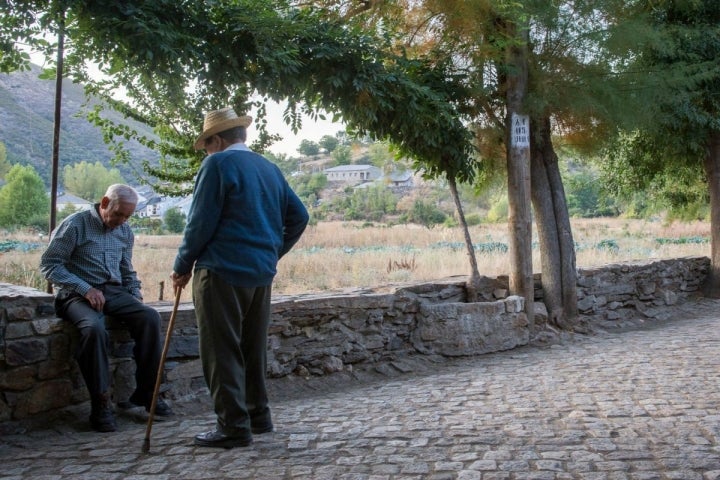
point(56, 129)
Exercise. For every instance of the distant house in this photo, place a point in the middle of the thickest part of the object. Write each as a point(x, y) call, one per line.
point(401, 179)
point(149, 207)
point(65, 200)
point(184, 205)
point(353, 174)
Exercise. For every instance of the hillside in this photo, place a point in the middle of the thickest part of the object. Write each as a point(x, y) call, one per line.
point(26, 126)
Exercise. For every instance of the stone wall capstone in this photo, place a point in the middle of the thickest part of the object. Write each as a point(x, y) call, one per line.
point(318, 334)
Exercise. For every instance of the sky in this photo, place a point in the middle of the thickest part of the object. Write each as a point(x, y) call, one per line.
point(311, 130)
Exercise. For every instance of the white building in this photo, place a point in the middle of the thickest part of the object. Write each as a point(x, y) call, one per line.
point(353, 174)
point(66, 199)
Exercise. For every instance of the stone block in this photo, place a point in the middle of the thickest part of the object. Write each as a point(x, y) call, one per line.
point(514, 304)
point(16, 330)
point(20, 313)
point(18, 379)
point(47, 326)
point(26, 351)
point(45, 396)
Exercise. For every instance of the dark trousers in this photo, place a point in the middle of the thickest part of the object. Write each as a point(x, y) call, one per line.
point(142, 322)
point(233, 326)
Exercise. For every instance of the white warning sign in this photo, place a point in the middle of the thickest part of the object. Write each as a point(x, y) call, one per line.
point(520, 137)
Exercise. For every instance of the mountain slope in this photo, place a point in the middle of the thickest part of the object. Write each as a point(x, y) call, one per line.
point(27, 108)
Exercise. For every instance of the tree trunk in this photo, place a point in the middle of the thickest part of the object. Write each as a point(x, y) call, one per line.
point(518, 167)
point(473, 284)
point(557, 249)
point(712, 172)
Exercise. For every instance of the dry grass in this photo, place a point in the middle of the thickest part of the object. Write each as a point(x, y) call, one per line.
point(332, 256)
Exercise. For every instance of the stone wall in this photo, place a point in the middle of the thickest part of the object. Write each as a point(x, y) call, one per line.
point(313, 335)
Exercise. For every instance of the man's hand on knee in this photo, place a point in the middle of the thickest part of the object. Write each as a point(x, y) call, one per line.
point(96, 299)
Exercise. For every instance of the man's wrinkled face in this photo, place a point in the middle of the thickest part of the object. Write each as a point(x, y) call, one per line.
point(115, 214)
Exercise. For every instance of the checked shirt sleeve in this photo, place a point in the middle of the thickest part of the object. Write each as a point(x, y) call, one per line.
point(54, 260)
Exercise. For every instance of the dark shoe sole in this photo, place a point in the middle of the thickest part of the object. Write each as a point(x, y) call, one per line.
point(104, 426)
point(225, 443)
point(262, 429)
point(164, 411)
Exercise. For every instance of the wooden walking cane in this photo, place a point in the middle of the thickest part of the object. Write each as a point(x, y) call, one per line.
point(158, 379)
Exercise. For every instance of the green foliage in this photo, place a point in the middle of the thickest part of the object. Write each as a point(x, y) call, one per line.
point(586, 197)
point(150, 226)
point(425, 213)
point(4, 163)
point(371, 204)
point(176, 60)
point(498, 211)
point(90, 180)
point(23, 199)
point(665, 153)
point(379, 154)
point(342, 155)
point(308, 186)
point(66, 211)
point(329, 143)
point(308, 148)
point(174, 220)
point(473, 219)
point(287, 165)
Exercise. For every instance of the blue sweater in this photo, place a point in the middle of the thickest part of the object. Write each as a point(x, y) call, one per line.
point(244, 217)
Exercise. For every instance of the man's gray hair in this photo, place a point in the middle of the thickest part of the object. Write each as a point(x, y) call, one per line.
point(119, 192)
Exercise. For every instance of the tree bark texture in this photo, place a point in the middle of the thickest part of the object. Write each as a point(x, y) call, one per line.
point(712, 172)
point(473, 284)
point(557, 248)
point(518, 167)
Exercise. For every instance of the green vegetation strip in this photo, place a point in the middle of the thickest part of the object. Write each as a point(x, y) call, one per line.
point(682, 240)
point(8, 245)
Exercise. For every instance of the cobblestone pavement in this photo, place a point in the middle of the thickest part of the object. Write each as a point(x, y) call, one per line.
point(638, 404)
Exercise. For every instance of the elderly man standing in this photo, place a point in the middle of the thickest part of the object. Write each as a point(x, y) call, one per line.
point(243, 219)
point(89, 262)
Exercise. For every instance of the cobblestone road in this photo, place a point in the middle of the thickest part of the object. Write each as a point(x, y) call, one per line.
point(637, 404)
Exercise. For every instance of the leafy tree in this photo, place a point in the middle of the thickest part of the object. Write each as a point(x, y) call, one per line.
point(426, 214)
point(379, 154)
point(371, 203)
point(342, 155)
point(585, 196)
point(66, 211)
point(23, 197)
point(4, 163)
point(174, 220)
point(560, 63)
point(308, 148)
point(152, 226)
point(679, 144)
point(90, 180)
point(329, 143)
point(308, 185)
point(288, 165)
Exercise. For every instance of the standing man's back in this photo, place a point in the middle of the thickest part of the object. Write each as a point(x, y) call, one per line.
point(243, 219)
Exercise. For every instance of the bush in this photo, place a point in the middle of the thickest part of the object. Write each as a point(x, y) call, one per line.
point(174, 220)
point(498, 211)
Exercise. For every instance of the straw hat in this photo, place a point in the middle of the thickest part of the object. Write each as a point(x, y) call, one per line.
point(218, 121)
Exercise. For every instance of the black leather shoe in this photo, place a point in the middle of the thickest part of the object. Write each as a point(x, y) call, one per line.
point(101, 415)
point(162, 409)
point(257, 429)
point(218, 439)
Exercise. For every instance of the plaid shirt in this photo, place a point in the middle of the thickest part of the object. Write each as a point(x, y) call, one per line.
point(84, 253)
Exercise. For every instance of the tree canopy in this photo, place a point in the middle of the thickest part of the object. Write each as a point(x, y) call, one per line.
point(23, 198)
point(176, 60)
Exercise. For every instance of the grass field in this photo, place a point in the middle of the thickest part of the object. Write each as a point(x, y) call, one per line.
point(333, 256)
